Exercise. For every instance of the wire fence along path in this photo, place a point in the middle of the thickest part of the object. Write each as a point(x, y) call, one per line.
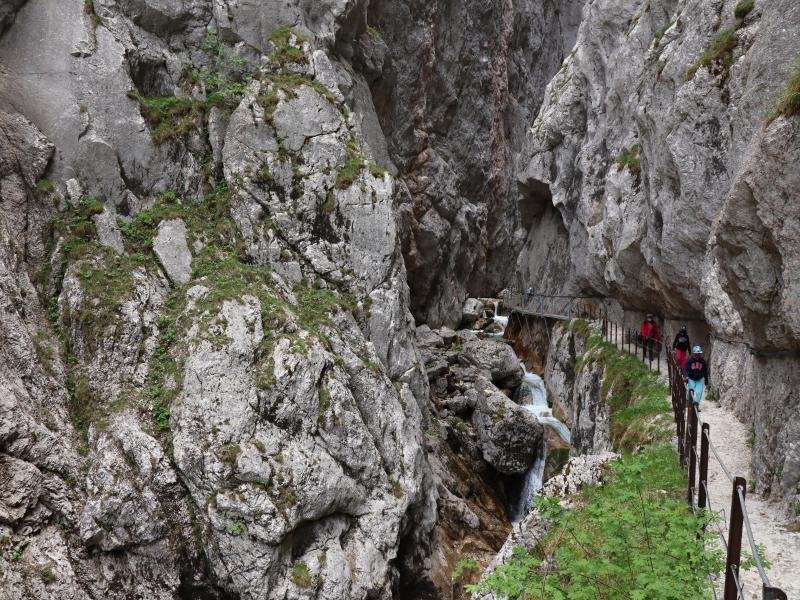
point(554, 307)
point(695, 461)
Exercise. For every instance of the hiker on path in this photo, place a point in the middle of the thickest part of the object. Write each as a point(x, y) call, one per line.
point(681, 347)
point(649, 335)
point(695, 374)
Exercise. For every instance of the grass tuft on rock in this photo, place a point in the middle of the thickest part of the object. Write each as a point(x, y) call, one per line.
point(788, 104)
point(172, 118)
point(353, 166)
point(301, 575)
point(288, 49)
point(629, 158)
point(720, 50)
point(743, 8)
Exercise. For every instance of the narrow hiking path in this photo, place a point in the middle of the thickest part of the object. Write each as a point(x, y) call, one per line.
point(729, 435)
point(782, 546)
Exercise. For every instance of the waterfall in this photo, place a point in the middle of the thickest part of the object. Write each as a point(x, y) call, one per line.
point(534, 476)
point(533, 483)
point(538, 406)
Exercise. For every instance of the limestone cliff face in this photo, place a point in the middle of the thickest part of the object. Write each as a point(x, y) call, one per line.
point(461, 83)
point(653, 169)
point(209, 385)
point(220, 220)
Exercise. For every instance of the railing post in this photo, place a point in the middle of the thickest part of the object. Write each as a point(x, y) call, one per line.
point(734, 540)
point(703, 483)
point(649, 355)
point(772, 593)
point(692, 455)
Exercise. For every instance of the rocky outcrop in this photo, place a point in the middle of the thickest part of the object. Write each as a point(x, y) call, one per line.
point(576, 392)
point(652, 161)
point(210, 385)
point(460, 85)
point(509, 435)
point(496, 358)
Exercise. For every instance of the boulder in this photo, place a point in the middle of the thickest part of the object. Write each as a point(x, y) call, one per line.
point(107, 231)
point(471, 311)
point(173, 252)
point(497, 358)
point(427, 338)
point(508, 435)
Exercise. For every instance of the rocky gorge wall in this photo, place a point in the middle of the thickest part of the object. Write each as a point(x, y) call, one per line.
point(221, 220)
point(210, 385)
point(658, 162)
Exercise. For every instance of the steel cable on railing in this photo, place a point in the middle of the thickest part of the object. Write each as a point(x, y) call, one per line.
point(753, 548)
point(739, 590)
point(719, 460)
point(721, 513)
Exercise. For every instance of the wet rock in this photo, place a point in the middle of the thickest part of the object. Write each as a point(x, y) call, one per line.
point(509, 436)
point(172, 250)
point(497, 358)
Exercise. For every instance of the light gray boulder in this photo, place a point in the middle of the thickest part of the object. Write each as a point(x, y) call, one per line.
point(471, 311)
point(108, 231)
point(496, 357)
point(172, 250)
point(508, 435)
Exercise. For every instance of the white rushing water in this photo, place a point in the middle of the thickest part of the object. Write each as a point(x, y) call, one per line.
point(537, 392)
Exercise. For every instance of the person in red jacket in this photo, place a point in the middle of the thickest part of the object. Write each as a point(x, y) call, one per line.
point(649, 335)
point(681, 347)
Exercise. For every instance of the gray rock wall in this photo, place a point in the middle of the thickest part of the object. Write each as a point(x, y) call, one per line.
point(459, 87)
point(210, 386)
point(673, 193)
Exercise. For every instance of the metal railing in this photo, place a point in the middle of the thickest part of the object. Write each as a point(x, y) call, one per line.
point(553, 306)
point(653, 351)
point(695, 463)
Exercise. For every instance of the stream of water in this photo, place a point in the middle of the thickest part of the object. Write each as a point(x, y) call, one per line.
point(534, 394)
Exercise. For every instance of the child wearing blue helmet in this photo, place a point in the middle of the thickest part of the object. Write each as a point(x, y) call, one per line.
point(695, 374)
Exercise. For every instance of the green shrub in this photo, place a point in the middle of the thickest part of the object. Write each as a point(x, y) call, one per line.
point(720, 50)
point(789, 102)
point(743, 8)
point(45, 186)
point(285, 52)
point(464, 566)
point(629, 158)
point(235, 528)
point(301, 575)
point(634, 537)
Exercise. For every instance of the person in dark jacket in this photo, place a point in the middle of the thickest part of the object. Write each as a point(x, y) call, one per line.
point(649, 335)
point(681, 347)
point(695, 374)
